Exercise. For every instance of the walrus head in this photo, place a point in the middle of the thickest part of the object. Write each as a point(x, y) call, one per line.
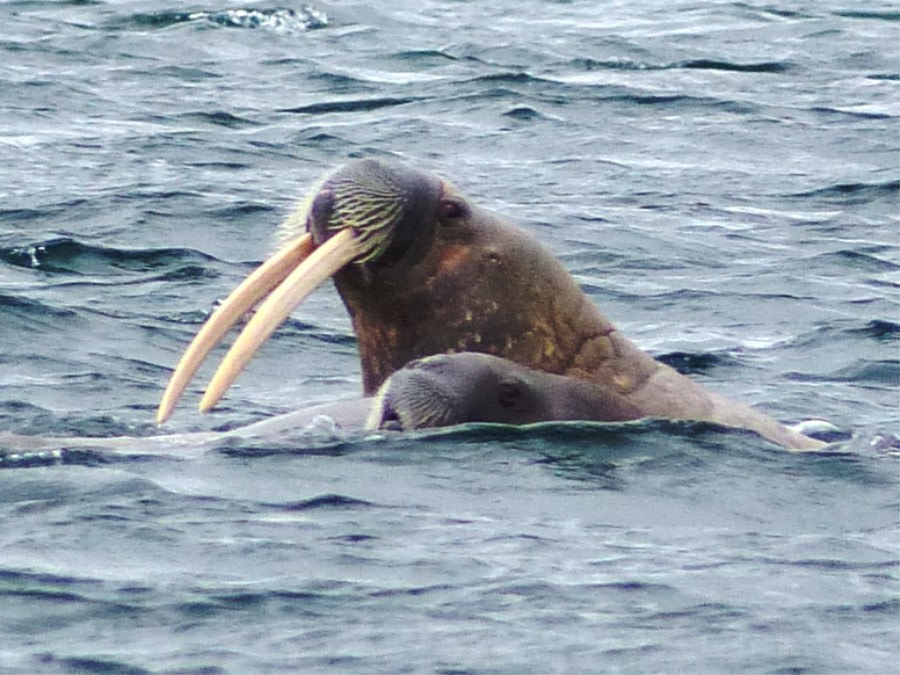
point(449, 389)
point(392, 212)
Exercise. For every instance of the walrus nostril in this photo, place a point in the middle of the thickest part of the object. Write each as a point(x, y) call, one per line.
point(390, 416)
point(391, 421)
point(320, 211)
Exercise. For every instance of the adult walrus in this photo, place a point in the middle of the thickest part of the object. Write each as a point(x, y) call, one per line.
point(423, 271)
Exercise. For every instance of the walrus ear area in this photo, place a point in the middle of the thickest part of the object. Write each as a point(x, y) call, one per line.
point(453, 208)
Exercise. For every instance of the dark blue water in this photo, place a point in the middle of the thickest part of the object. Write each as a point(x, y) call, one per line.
point(723, 180)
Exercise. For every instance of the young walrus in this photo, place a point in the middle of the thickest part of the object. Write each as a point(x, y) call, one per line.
point(449, 389)
point(423, 271)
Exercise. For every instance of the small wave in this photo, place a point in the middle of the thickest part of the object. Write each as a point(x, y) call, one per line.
point(14, 305)
point(879, 329)
point(20, 408)
point(695, 363)
point(38, 458)
point(279, 20)
point(878, 443)
point(43, 429)
point(21, 216)
point(30, 579)
point(769, 10)
point(593, 450)
point(66, 255)
point(312, 443)
point(350, 105)
point(220, 118)
point(512, 85)
point(328, 501)
point(775, 67)
point(869, 111)
point(508, 78)
point(43, 587)
point(853, 193)
point(869, 14)
point(569, 434)
point(710, 64)
point(667, 100)
point(862, 260)
point(423, 57)
point(860, 372)
point(590, 64)
point(238, 211)
point(523, 114)
point(91, 665)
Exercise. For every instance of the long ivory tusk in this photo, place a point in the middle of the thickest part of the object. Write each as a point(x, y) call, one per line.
point(256, 286)
point(323, 262)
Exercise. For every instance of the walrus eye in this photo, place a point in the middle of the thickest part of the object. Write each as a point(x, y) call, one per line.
point(509, 393)
point(453, 208)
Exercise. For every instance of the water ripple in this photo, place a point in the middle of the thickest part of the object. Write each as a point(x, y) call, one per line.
point(279, 20)
point(70, 256)
point(350, 105)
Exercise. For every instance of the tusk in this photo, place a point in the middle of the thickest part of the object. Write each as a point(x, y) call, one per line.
point(323, 262)
point(256, 286)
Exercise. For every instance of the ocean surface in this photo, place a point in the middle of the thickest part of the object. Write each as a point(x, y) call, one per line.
point(722, 178)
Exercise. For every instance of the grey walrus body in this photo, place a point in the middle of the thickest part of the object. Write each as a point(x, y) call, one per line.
point(450, 389)
point(438, 391)
point(25, 450)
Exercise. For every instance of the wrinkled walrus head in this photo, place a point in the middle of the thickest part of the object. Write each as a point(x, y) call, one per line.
point(421, 270)
point(449, 389)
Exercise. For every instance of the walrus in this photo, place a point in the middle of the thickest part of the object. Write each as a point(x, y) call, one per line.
point(443, 390)
point(450, 389)
point(424, 271)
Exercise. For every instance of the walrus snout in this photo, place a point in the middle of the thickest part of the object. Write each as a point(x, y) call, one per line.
point(448, 389)
point(390, 209)
point(419, 396)
point(320, 213)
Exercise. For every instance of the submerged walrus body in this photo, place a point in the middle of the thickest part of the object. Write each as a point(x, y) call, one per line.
point(422, 272)
point(449, 389)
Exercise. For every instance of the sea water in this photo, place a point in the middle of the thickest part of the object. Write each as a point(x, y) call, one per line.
point(722, 180)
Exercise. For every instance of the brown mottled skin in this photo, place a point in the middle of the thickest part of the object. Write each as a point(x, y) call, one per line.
point(459, 278)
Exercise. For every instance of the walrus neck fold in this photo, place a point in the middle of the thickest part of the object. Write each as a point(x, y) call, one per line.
point(482, 285)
